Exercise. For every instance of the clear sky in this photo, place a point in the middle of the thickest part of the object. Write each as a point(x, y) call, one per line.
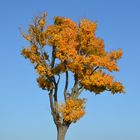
point(24, 108)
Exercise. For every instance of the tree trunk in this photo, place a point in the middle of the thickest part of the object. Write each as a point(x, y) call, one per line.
point(61, 132)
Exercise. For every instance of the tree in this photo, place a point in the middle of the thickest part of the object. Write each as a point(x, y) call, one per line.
point(74, 50)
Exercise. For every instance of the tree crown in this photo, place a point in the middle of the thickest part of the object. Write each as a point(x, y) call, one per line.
point(76, 49)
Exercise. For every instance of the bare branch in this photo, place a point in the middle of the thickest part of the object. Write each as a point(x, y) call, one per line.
point(55, 90)
point(75, 87)
point(53, 78)
point(94, 70)
point(66, 86)
point(80, 90)
point(53, 107)
point(51, 101)
point(53, 56)
point(58, 79)
point(80, 87)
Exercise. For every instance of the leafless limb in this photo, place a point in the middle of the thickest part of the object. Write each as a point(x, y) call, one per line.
point(66, 86)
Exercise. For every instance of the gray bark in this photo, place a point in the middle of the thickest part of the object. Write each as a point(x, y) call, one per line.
point(61, 132)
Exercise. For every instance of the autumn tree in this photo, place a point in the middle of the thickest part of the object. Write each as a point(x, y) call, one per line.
point(74, 50)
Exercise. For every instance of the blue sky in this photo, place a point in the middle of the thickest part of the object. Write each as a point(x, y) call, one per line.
point(24, 108)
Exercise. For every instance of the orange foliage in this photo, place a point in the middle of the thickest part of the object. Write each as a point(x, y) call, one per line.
point(77, 47)
point(31, 53)
point(74, 48)
point(73, 109)
point(44, 83)
point(99, 81)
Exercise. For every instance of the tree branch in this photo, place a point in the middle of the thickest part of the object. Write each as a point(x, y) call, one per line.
point(53, 56)
point(53, 108)
point(54, 96)
point(58, 79)
point(53, 78)
point(75, 87)
point(51, 101)
point(94, 70)
point(80, 90)
point(55, 89)
point(66, 86)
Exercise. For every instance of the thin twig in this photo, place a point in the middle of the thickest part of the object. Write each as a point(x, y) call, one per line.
point(94, 70)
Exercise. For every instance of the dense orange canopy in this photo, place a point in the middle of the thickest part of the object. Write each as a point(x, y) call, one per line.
point(74, 48)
